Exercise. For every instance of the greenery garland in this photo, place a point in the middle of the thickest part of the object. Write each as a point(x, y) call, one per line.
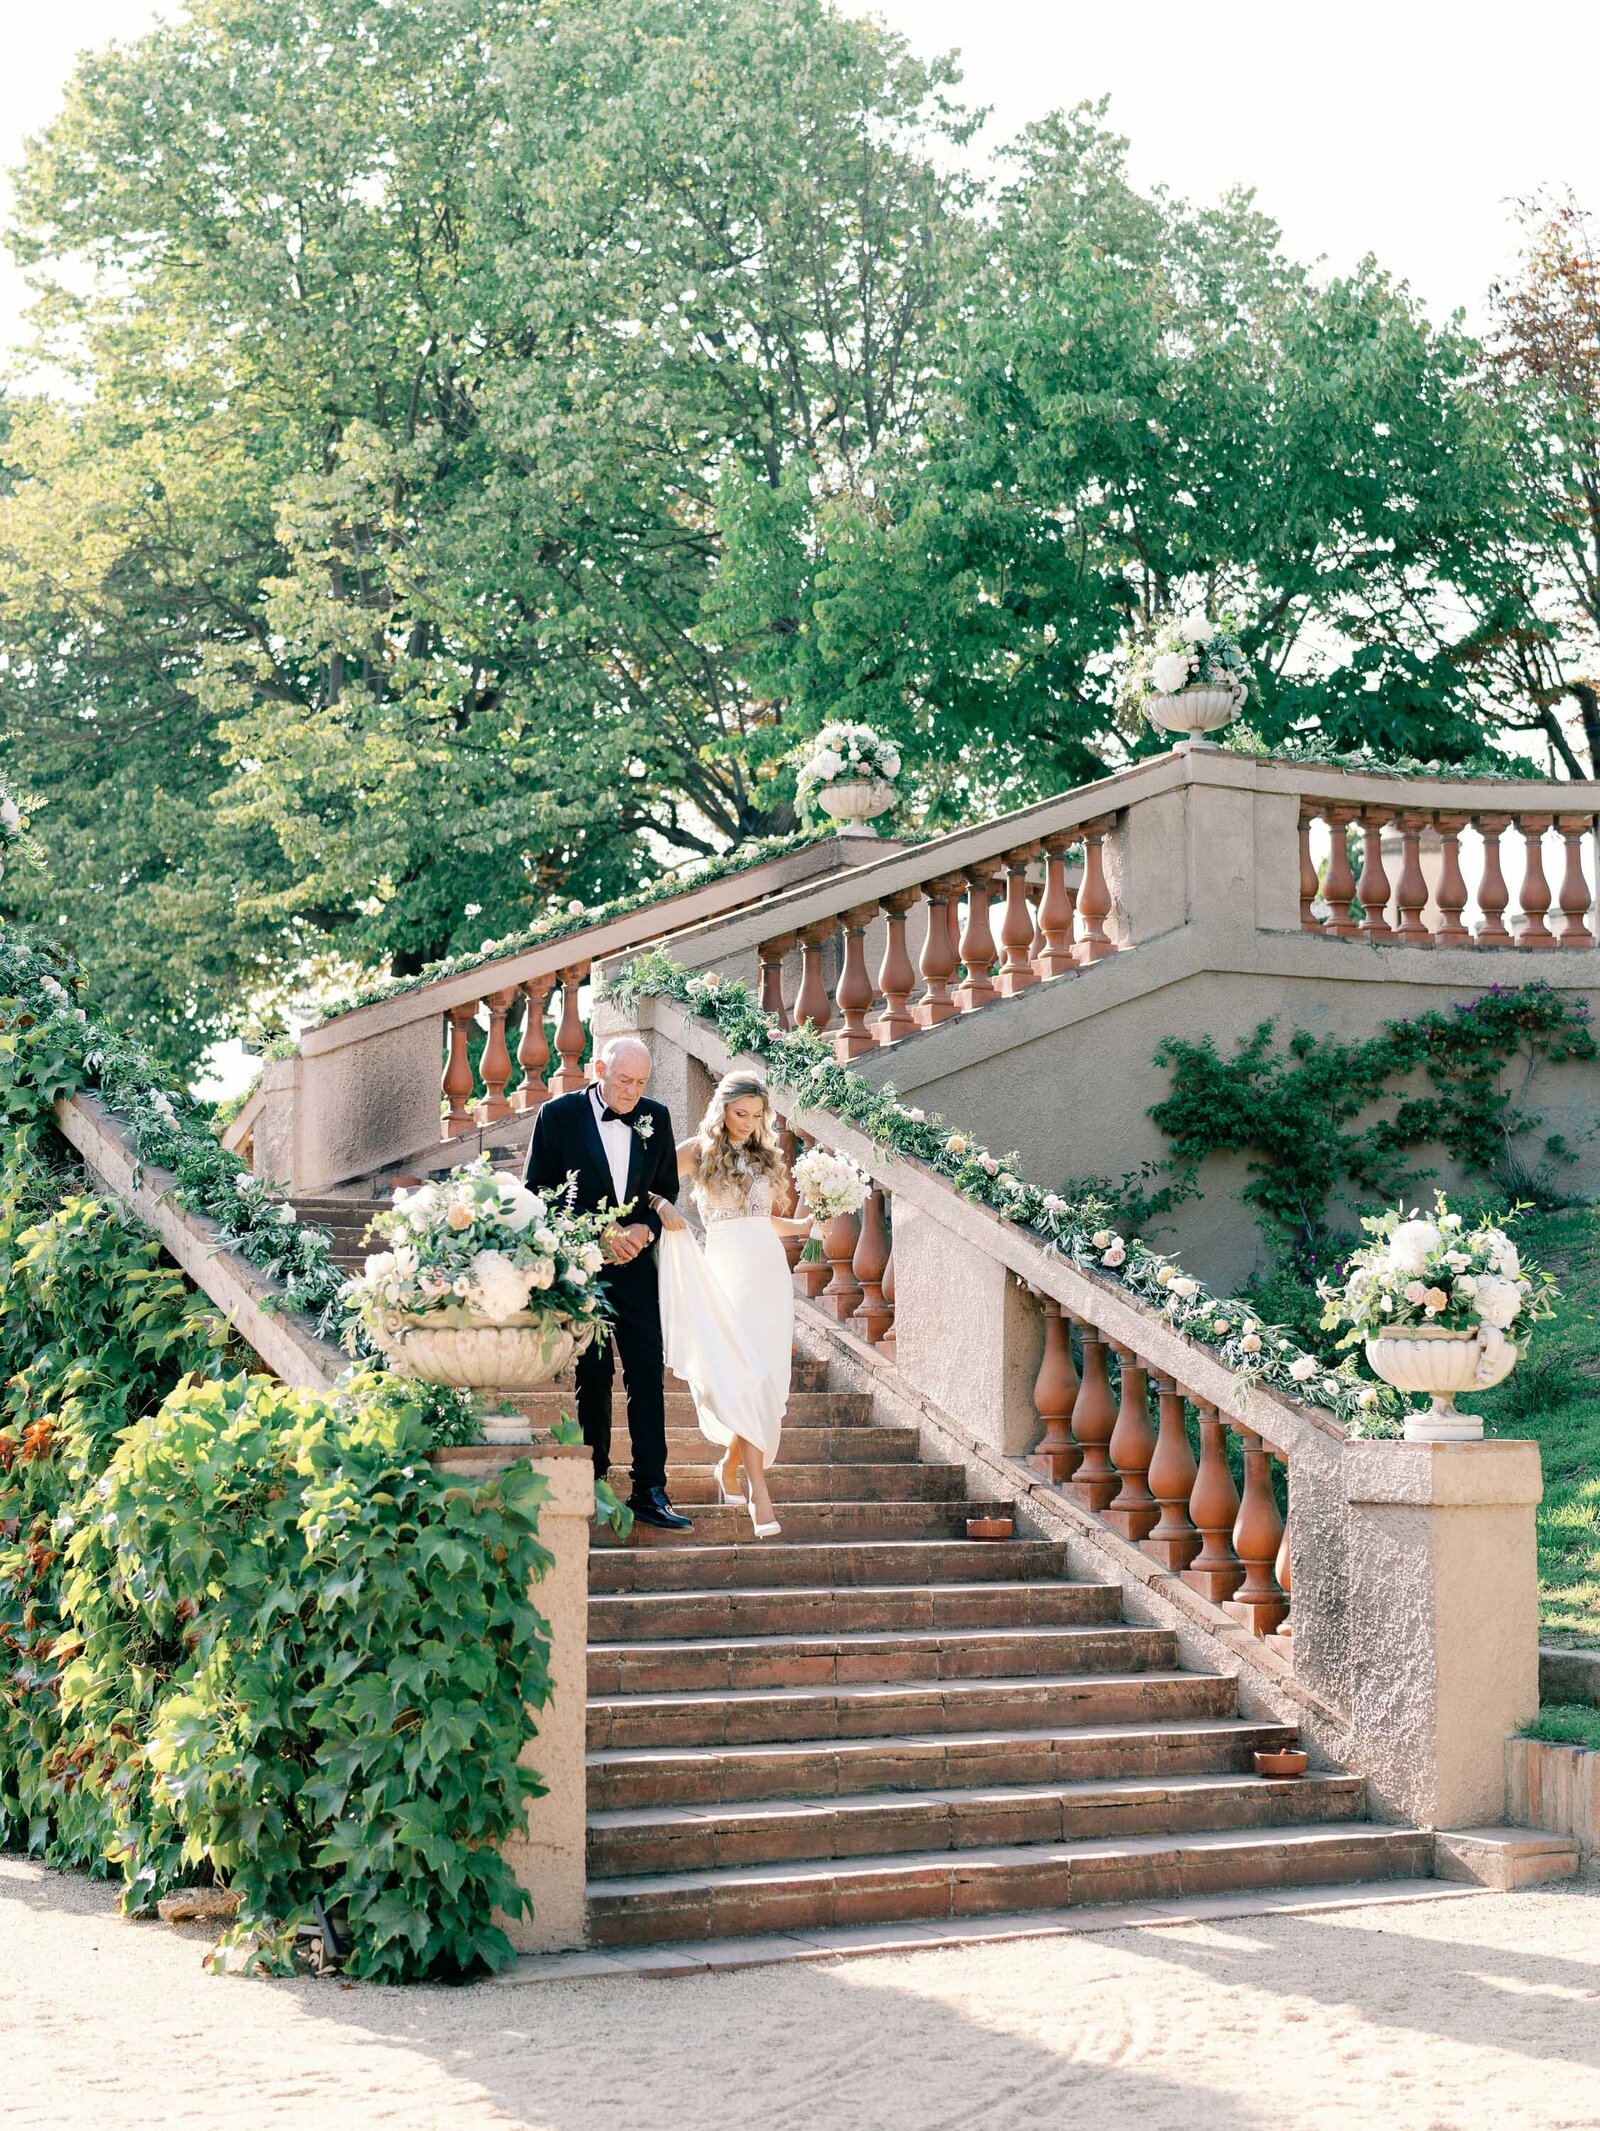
point(1080, 1230)
point(50, 1050)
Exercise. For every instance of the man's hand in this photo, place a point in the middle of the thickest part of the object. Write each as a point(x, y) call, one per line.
point(623, 1245)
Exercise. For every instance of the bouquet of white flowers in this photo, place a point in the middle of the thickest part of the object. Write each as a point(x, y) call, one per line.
point(1420, 1272)
point(475, 1247)
point(1186, 651)
point(831, 1185)
point(846, 754)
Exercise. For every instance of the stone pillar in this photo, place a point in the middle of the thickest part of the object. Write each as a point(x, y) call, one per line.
point(966, 1332)
point(362, 1101)
point(549, 1858)
point(1442, 1657)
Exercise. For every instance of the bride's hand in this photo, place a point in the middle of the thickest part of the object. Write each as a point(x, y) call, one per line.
point(669, 1216)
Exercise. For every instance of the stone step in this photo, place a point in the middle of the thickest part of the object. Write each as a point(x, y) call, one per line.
point(706, 1776)
point(875, 1709)
point(985, 1882)
point(691, 1484)
point(750, 1661)
point(844, 1412)
point(848, 1522)
point(828, 1442)
point(694, 1564)
point(874, 1824)
point(632, 1617)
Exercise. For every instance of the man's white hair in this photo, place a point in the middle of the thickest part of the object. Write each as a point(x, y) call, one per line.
point(614, 1046)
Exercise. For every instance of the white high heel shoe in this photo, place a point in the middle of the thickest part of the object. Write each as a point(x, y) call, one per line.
point(725, 1494)
point(762, 1531)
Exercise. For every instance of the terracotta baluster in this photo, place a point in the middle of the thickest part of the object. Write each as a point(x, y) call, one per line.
point(842, 1295)
point(1451, 895)
point(1055, 1392)
point(1535, 897)
point(458, 1072)
point(1016, 926)
point(1132, 1509)
point(1339, 887)
point(772, 954)
point(1574, 887)
point(1411, 891)
point(812, 1003)
point(1094, 897)
point(939, 958)
point(570, 1035)
point(1309, 921)
point(1214, 1504)
point(1373, 886)
point(533, 1052)
point(1280, 1568)
point(1094, 1418)
point(977, 942)
point(813, 1278)
point(1493, 895)
point(869, 1265)
point(495, 1069)
point(1257, 1535)
point(896, 977)
point(789, 1145)
point(854, 994)
point(1055, 957)
point(1173, 1542)
point(886, 1343)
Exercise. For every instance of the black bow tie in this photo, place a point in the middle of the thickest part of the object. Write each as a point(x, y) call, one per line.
point(608, 1115)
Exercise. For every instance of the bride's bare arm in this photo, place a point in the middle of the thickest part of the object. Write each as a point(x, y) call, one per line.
point(688, 1162)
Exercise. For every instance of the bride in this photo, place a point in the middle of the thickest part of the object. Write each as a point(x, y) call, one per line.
point(727, 1316)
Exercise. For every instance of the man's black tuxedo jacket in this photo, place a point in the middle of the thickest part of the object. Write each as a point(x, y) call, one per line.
point(566, 1141)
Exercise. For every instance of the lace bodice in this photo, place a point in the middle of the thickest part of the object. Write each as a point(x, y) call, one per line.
point(739, 1199)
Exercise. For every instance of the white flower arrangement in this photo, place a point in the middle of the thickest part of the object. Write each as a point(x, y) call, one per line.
point(831, 1185)
point(1422, 1271)
point(846, 754)
point(475, 1247)
point(14, 838)
point(1186, 651)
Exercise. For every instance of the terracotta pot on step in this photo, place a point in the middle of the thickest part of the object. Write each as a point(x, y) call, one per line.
point(1283, 1765)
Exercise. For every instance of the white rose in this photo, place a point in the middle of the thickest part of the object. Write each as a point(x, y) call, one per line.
point(379, 1266)
point(545, 1238)
point(11, 815)
point(591, 1257)
point(540, 1274)
point(406, 1262)
point(1185, 1289)
point(827, 763)
point(1170, 672)
point(1304, 1368)
point(1116, 1254)
point(1251, 1343)
point(1506, 1260)
point(1101, 1239)
point(1196, 628)
point(1412, 1243)
point(576, 1276)
point(1497, 1301)
point(286, 1216)
point(891, 765)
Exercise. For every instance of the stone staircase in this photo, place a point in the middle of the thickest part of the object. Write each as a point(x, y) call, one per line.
point(874, 1719)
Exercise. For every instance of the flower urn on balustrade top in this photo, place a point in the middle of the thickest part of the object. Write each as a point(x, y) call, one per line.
point(849, 772)
point(1188, 676)
point(485, 1285)
point(1432, 1304)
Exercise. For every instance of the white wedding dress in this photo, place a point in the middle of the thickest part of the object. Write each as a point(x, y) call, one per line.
point(727, 1314)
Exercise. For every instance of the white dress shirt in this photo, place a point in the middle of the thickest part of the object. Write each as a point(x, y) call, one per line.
point(616, 1136)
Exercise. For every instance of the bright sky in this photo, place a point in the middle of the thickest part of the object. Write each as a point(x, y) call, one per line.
point(1401, 127)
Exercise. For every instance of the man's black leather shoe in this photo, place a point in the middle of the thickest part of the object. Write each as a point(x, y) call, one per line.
point(652, 1507)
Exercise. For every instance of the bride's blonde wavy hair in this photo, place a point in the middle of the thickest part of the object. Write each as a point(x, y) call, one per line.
point(720, 1160)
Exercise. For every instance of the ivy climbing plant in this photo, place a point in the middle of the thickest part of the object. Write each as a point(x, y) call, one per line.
point(1319, 1117)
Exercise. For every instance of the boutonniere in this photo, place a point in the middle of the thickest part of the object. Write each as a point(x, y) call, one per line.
point(644, 1126)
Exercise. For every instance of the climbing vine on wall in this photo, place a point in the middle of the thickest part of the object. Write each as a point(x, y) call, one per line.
point(1319, 1117)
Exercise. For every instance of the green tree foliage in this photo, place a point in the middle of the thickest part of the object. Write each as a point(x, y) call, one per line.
point(479, 437)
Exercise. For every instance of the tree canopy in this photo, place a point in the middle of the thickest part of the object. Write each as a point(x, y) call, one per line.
point(474, 440)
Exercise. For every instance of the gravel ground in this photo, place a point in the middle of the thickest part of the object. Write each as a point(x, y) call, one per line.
point(1422, 2018)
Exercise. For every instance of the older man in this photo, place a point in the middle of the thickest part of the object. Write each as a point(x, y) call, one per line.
point(620, 1148)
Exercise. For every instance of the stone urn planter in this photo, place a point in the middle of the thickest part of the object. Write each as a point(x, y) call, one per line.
point(1440, 1362)
point(1194, 711)
point(518, 1355)
point(858, 802)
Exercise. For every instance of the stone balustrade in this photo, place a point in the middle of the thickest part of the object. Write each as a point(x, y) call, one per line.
point(1411, 1651)
point(1415, 875)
